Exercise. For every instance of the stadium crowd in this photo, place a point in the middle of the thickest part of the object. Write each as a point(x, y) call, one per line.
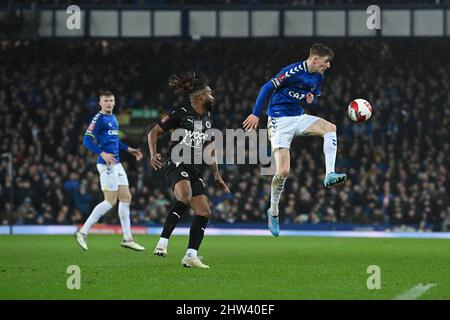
point(397, 162)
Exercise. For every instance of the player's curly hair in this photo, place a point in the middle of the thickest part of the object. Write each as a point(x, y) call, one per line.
point(186, 83)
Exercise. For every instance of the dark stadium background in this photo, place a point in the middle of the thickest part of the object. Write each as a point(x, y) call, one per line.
point(397, 162)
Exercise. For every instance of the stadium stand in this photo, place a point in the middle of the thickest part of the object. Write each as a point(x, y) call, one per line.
point(398, 162)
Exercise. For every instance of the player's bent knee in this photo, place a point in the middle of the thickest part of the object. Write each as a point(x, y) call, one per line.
point(111, 197)
point(283, 173)
point(205, 213)
point(330, 127)
point(125, 198)
point(112, 202)
point(185, 198)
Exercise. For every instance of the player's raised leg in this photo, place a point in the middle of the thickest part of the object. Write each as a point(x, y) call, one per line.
point(202, 214)
point(282, 162)
point(124, 196)
point(183, 195)
point(99, 211)
point(327, 130)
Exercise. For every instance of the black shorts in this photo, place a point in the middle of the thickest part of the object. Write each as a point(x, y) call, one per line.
point(185, 172)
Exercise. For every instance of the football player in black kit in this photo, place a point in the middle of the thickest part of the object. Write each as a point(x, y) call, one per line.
point(185, 176)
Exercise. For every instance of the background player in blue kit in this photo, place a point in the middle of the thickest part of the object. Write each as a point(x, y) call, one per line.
point(296, 84)
point(102, 138)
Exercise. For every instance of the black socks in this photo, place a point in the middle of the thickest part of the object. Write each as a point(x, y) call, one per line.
point(197, 231)
point(173, 218)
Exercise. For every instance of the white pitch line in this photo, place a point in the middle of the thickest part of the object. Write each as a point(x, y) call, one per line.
point(414, 293)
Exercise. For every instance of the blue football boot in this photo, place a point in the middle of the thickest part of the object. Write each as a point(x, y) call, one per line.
point(273, 223)
point(334, 178)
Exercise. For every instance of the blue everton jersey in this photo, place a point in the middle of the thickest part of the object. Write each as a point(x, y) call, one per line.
point(105, 129)
point(292, 85)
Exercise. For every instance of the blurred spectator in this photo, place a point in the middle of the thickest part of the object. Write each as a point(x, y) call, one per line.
point(446, 220)
point(82, 201)
point(25, 212)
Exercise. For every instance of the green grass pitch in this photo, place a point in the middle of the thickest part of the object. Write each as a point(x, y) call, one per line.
point(34, 267)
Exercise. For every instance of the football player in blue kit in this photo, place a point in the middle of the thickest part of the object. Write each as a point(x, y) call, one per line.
point(293, 86)
point(102, 138)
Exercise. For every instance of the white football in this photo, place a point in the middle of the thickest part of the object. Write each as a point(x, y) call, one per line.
point(359, 110)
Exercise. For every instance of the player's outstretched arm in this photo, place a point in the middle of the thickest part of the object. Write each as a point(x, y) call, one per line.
point(252, 120)
point(152, 139)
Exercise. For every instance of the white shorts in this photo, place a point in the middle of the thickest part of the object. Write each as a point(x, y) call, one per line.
point(282, 130)
point(111, 177)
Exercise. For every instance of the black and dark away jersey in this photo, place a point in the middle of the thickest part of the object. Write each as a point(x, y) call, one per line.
point(192, 130)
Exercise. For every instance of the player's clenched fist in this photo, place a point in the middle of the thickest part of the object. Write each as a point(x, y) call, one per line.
point(309, 98)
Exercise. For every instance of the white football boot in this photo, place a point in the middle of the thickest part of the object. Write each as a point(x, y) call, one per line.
point(193, 262)
point(82, 240)
point(132, 245)
point(160, 251)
